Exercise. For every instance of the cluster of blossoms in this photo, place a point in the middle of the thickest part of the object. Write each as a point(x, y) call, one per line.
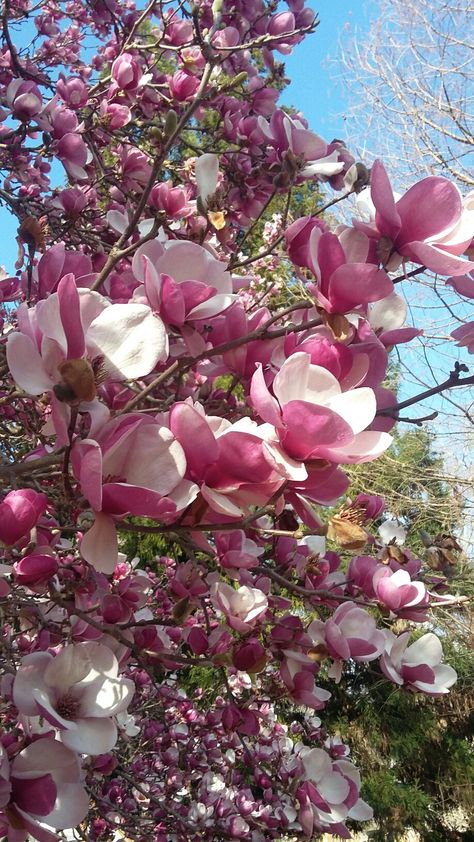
point(149, 390)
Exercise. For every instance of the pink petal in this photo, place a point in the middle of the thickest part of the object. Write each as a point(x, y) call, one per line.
point(189, 427)
point(356, 284)
point(357, 407)
point(37, 796)
point(311, 430)
point(216, 304)
point(261, 399)
point(436, 259)
point(71, 807)
point(464, 285)
point(126, 499)
point(365, 447)
point(429, 208)
point(99, 546)
point(29, 677)
point(426, 649)
point(172, 306)
point(86, 460)
point(330, 255)
point(70, 315)
point(387, 216)
point(334, 788)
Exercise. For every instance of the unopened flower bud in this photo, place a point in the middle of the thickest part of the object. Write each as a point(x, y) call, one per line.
point(171, 122)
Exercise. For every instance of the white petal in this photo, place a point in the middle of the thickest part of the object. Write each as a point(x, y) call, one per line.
point(130, 338)
point(92, 736)
point(26, 365)
point(357, 407)
point(207, 171)
point(389, 313)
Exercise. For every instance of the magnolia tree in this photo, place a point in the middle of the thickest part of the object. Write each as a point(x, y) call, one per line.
point(150, 386)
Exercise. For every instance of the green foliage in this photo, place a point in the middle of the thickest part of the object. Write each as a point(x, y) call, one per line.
point(415, 753)
point(412, 480)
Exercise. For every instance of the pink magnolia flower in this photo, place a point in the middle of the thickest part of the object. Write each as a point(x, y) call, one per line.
point(281, 25)
point(330, 794)
point(236, 551)
point(24, 98)
point(45, 792)
point(57, 262)
point(35, 570)
point(75, 324)
point(350, 633)
point(182, 85)
point(20, 511)
point(313, 418)
point(78, 692)
point(126, 72)
point(430, 225)
point(234, 467)
point(73, 90)
point(297, 671)
point(136, 466)
point(243, 607)
point(74, 155)
point(172, 200)
point(113, 115)
point(72, 201)
point(417, 667)
point(183, 281)
point(289, 133)
point(398, 593)
point(344, 284)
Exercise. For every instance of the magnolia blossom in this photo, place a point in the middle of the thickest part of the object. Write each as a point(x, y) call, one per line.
point(236, 551)
point(346, 278)
point(40, 792)
point(242, 606)
point(330, 794)
point(430, 225)
point(313, 418)
point(20, 511)
point(24, 98)
point(397, 592)
point(134, 466)
point(234, 466)
point(297, 671)
point(77, 691)
point(419, 666)
point(288, 133)
point(77, 324)
point(182, 281)
point(350, 633)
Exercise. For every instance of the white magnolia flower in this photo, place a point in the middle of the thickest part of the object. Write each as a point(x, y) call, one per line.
point(78, 692)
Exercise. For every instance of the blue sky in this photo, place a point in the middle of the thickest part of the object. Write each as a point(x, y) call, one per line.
point(312, 90)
